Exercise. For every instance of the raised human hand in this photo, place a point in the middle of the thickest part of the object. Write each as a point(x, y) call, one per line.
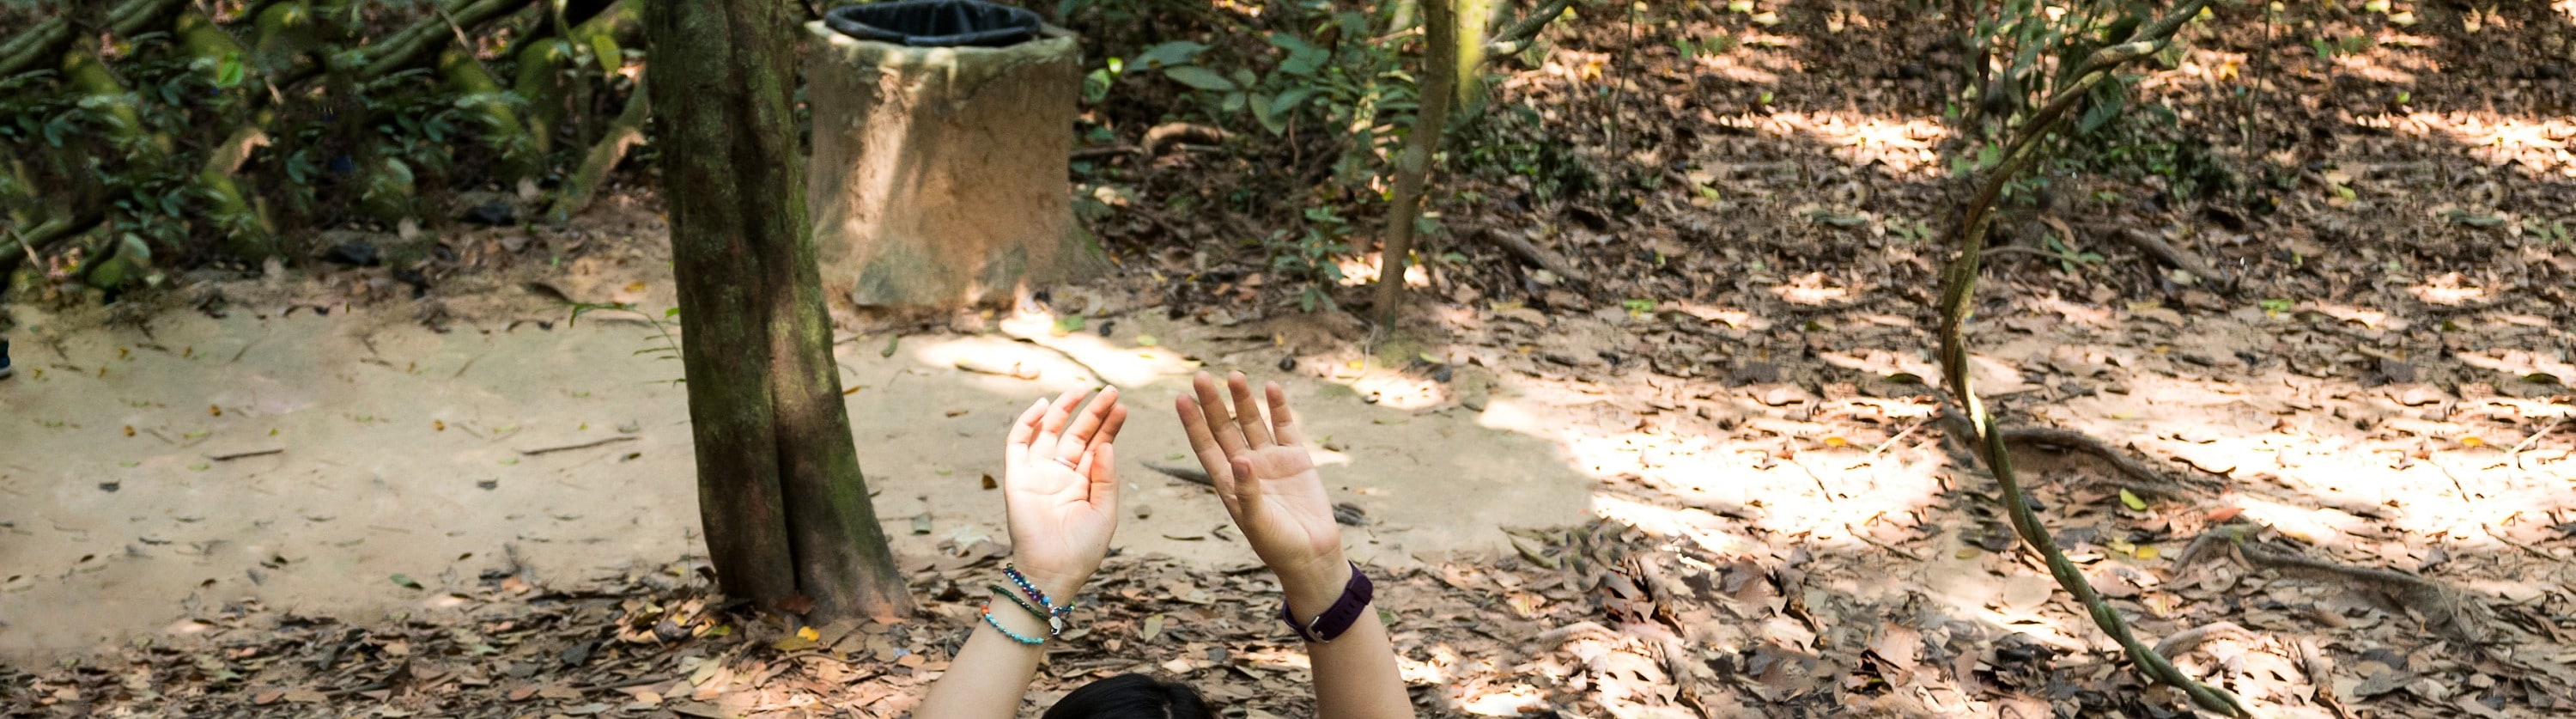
point(1060, 487)
point(1269, 485)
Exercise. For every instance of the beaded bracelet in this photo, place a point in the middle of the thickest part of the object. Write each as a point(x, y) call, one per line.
point(1054, 614)
point(1054, 628)
point(1006, 631)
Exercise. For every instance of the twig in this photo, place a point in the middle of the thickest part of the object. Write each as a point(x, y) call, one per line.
point(1015, 371)
point(578, 445)
point(1520, 247)
point(1891, 441)
point(1184, 474)
point(230, 456)
point(1096, 376)
point(2515, 456)
point(1094, 153)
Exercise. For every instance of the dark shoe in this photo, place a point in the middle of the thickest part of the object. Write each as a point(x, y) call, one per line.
point(5, 369)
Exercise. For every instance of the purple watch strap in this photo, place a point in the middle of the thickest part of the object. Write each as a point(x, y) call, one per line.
point(1338, 618)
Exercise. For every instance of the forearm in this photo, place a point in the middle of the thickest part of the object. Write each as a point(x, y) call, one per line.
point(991, 673)
point(987, 679)
point(1355, 674)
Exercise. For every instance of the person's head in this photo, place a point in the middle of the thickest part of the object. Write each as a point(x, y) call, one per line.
point(1131, 696)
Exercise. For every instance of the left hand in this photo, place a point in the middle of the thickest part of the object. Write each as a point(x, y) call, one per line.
point(1060, 486)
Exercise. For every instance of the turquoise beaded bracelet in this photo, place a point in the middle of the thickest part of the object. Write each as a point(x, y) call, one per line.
point(1006, 631)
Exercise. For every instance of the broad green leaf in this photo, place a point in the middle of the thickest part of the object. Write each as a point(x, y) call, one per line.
point(229, 72)
point(2132, 500)
point(1171, 54)
point(1287, 102)
point(1199, 77)
point(1263, 110)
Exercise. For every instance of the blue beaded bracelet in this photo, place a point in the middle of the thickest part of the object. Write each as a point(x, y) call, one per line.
point(1055, 613)
point(1006, 631)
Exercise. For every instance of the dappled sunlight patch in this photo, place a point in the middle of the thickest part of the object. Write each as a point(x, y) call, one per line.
point(1901, 147)
point(2330, 528)
point(1504, 700)
point(2539, 146)
point(1709, 531)
point(2447, 289)
point(2522, 365)
point(1028, 350)
point(1811, 289)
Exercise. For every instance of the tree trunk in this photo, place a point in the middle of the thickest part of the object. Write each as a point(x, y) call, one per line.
point(787, 513)
point(1440, 70)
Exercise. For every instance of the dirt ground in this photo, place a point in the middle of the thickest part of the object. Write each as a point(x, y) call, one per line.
point(1710, 481)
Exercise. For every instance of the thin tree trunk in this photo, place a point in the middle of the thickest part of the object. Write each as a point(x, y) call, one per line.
point(787, 513)
point(1440, 73)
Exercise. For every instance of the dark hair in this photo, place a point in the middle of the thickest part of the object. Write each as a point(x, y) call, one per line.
point(1131, 696)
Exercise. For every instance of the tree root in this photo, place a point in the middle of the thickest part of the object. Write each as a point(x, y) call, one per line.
point(2177, 643)
point(2142, 479)
point(2447, 610)
point(623, 135)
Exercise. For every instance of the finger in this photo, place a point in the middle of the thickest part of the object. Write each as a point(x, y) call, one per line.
point(1103, 471)
point(1078, 436)
point(1220, 420)
point(1023, 430)
point(1283, 423)
point(1052, 426)
point(1109, 427)
point(1203, 442)
point(1247, 412)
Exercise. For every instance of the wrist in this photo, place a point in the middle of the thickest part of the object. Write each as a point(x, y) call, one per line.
point(1311, 590)
point(1058, 586)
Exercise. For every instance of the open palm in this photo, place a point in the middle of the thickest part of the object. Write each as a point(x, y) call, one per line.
point(1263, 474)
point(1060, 485)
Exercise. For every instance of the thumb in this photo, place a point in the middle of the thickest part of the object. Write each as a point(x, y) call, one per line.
point(1104, 477)
point(1247, 488)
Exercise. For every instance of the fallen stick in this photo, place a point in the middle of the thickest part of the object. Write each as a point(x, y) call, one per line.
point(1096, 376)
point(1017, 370)
point(577, 445)
point(230, 456)
point(2157, 248)
point(1184, 474)
point(1520, 247)
point(1181, 132)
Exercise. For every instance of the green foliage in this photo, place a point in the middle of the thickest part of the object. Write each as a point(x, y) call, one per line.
point(1308, 259)
point(669, 349)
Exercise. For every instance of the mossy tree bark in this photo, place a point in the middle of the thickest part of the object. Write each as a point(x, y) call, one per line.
point(787, 513)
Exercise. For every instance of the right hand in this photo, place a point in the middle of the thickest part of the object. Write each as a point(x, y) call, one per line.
point(1269, 485)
